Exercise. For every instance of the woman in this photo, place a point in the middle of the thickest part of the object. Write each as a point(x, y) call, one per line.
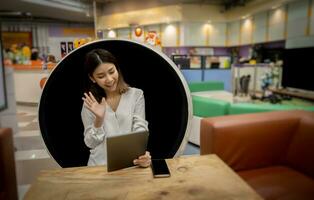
point(110, 107)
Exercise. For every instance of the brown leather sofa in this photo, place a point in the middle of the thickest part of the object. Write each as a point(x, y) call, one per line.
point(8, 187)
point(273, 152)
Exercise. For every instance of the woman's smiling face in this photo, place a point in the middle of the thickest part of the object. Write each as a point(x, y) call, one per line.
point(106, 76)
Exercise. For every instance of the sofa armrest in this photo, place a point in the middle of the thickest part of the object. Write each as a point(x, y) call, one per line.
point(8, 186)
point(301, 151)
point(249, 141)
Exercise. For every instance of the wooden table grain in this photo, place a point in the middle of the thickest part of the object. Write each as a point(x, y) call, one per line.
point(192, 177)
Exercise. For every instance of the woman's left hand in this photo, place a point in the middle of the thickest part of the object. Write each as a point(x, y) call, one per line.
point(144, 160)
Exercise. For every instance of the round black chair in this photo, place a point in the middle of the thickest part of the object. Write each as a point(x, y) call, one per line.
point(167, 101)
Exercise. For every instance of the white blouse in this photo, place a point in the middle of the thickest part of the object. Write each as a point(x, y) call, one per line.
point(129, 117)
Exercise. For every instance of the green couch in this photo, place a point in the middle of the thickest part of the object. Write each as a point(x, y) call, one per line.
point(206, 86)
point(242, 108)
point(205, 107)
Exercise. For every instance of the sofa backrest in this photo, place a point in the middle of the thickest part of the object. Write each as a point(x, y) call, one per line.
point(249, 141)
point(206, 86)
point(300, 154)
point(243, 108)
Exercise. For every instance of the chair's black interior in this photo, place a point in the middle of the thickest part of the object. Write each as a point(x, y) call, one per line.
point(165, 99)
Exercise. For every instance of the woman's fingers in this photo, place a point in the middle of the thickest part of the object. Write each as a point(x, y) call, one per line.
point(146, 156)
point(138, 161)
point(92, 97)
point(142, 163)
point(87, 97)
point(86, 102)
point(87, 106)
point(145, 164)
point(144, 160)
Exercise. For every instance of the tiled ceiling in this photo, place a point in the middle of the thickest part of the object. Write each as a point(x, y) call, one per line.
point(114, 6)
point(81, 10)
point(64, 10)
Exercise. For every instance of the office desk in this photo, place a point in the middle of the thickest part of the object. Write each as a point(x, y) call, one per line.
point(192, 177)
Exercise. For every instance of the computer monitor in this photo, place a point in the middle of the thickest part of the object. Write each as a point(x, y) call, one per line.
point(298, 68)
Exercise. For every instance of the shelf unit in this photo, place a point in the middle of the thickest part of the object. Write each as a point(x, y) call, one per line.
point(256, 71)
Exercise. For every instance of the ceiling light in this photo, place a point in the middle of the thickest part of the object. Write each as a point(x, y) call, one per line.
point(70, 5)
point(275, 7)
point(245, 16)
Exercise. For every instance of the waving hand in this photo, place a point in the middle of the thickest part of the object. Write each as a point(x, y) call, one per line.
point(97, 108)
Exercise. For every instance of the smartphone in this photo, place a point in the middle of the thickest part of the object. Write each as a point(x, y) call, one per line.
point(160, 168)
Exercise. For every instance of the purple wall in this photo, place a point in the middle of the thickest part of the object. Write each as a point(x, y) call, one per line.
point(244, 51)
point(222, 51)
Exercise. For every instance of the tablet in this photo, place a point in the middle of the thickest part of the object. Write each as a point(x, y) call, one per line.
point(123, 149)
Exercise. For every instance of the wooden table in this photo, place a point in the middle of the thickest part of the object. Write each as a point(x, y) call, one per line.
point(192, 177)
